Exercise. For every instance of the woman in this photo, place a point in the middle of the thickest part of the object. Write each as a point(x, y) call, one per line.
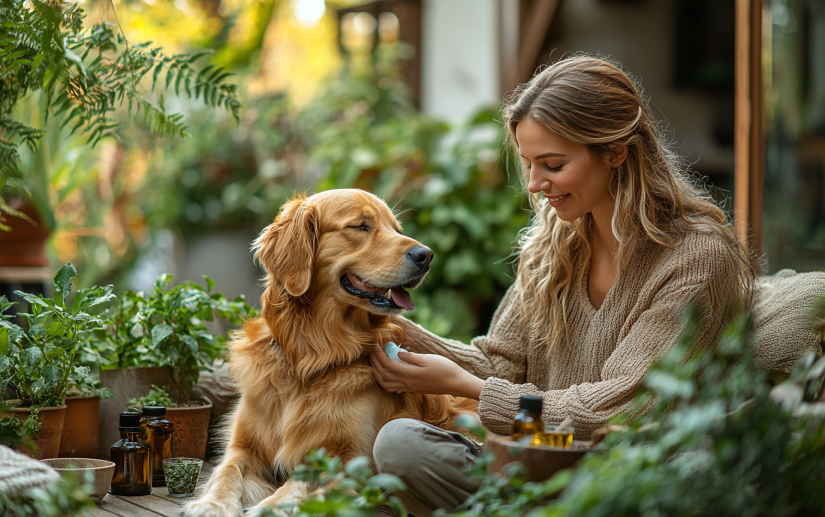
point(621, 244)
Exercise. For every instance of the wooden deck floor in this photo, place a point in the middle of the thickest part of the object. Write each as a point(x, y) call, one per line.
point(159, 502)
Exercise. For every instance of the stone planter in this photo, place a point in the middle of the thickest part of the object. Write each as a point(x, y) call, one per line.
point(126, 384)
point(51, 429)
point(81, 428)
point(191, 429)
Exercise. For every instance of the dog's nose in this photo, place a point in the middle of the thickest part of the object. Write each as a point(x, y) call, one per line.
point(421, 256)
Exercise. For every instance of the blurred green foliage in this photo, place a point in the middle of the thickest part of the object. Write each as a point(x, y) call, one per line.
point(447, 182)
point(715, 439)
point(66, 497)
point(350, 489)
point(85, 74)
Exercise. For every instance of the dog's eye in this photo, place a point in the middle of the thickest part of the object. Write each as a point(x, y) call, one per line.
point(361, 227)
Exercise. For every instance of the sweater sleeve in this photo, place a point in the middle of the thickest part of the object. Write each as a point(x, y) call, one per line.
point(707, 281)
point(501, 353)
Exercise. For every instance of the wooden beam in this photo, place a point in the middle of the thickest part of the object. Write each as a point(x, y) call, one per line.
point(538, 23)
point(749, 124)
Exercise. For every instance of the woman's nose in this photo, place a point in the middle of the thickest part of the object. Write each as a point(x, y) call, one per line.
point(537, 182)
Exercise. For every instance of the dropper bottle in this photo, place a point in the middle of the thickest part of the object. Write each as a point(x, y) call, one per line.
point(528, 422)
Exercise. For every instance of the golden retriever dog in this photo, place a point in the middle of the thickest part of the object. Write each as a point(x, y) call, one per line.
point(337, 267)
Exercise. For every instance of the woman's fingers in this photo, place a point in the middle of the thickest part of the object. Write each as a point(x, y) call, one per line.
point(411, 358)
point(381, 356)
point(389, 385)
point(380, 367)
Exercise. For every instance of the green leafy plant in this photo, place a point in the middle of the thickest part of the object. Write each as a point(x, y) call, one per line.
point(38, 362)
point(87, 74)
point(82, 383)
point(15, 433)
point(350, 489)
point(168, 328)
point(155, 397)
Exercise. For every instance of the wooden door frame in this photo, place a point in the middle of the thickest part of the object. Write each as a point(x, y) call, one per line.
point(749, 135)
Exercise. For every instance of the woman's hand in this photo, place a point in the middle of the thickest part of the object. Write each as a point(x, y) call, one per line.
point(423, 373)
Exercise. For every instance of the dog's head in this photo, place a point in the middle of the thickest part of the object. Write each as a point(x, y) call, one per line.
point(343, 245)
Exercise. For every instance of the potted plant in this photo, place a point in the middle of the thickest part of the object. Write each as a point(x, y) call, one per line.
point(161, 338)
point(81, 436)
point(37, 363)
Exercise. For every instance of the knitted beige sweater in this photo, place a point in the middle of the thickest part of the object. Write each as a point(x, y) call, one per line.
point(610, 349)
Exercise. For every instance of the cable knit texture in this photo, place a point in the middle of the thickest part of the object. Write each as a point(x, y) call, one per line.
point(596, 375)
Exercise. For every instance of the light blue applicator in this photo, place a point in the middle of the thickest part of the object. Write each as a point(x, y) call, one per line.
point(391, 349)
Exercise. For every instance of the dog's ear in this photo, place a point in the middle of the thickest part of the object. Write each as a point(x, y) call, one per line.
point(286, 248)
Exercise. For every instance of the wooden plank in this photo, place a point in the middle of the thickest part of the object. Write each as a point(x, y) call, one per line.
point(749, 130)
point(123, 507)
point(101, 512)
point(538, 23)
point(161, 504)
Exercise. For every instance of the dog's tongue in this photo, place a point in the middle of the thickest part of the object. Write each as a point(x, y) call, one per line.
point(403, 299)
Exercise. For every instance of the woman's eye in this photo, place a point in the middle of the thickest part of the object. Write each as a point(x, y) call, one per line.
point(553, 169)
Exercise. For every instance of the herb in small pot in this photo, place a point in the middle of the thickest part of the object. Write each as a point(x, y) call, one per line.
point(181, 475)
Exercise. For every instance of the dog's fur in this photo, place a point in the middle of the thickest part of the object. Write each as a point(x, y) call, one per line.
point(303, 366)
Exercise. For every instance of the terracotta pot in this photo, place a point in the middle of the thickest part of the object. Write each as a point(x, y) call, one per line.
point(81, 434)
point(25, 244)
point(191, 429)
point(126, 384)
point(51, 428)
point(541, 462)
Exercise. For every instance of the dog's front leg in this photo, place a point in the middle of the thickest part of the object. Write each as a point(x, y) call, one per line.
point(233, 484)
point(290, 493)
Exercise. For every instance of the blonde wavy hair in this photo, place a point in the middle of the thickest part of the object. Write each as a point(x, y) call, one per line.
point(592, 101)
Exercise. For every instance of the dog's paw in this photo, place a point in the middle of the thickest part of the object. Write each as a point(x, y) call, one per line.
point(207, 507)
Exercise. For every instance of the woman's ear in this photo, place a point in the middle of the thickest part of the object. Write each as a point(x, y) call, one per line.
point(286, 248)
point(618, 154)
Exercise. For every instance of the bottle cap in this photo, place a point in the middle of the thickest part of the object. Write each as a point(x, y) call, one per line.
point(530, 403)
point(130, 421)
point(154, 410)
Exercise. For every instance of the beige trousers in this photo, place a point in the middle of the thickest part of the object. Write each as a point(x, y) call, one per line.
point(430, 461)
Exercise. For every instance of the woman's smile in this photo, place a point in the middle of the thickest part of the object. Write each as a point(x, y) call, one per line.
point(556, 200)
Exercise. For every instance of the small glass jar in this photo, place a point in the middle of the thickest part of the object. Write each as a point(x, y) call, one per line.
point(562, 438)
point(159, 433)
point(182, 475)
point(132, 458)
point(528, 425)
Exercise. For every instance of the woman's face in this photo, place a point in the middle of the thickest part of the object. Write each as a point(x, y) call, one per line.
point(563, 171)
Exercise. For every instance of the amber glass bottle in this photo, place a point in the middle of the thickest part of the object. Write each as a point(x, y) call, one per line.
point(132, 458)
point(157, 432)
point(528, 422)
